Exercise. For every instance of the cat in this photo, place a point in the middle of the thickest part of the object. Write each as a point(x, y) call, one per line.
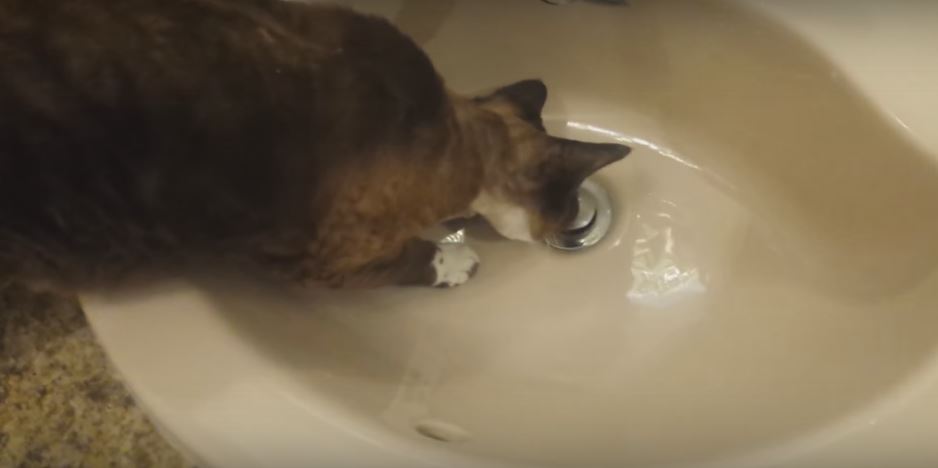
point(309, 142)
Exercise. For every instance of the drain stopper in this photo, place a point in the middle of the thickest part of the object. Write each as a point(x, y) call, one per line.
point(592, 221)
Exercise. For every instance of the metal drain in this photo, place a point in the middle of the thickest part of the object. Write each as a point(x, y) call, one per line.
point(592, 221)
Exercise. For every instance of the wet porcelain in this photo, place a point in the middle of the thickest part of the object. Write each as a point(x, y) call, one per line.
point(766, 294)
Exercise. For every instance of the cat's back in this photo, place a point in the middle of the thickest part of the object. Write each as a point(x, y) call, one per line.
point(101, 47)
point(204, 83)
point(218, 115)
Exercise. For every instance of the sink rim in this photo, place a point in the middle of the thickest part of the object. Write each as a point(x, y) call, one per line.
point(915, 389)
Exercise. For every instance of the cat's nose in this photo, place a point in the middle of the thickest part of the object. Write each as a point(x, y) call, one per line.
point(592, 222)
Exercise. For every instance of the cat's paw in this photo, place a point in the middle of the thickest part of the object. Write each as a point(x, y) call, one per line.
point(454, 264)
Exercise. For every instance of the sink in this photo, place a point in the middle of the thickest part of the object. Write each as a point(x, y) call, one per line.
point(766, 295)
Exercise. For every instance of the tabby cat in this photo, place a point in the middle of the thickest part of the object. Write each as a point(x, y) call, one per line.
point(307, 141)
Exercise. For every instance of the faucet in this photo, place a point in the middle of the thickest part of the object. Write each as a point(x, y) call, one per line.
point(567, 2)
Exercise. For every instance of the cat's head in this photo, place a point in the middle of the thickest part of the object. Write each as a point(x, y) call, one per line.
point(530, 189)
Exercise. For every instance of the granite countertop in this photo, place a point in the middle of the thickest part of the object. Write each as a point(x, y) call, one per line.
point(60, 403)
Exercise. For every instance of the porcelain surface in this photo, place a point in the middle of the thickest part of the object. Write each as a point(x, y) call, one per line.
point(766, 295)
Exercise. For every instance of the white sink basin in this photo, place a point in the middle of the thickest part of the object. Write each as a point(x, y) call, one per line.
point(767, 295)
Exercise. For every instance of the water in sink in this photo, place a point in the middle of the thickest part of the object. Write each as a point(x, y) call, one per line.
point(769, 275)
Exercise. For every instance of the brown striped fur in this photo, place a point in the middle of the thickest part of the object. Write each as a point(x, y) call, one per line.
point(309, 141)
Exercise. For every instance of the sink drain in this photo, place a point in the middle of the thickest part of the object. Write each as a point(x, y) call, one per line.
point(592, 222)
point(441, 431)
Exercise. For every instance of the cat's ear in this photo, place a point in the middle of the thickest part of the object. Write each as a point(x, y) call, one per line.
point(528, 97)
point(581, 159)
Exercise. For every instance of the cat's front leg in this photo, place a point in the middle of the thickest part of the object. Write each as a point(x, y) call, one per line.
point(423, 263)
point(453, 264)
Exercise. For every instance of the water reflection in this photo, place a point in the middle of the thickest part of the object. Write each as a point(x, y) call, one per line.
point(664, 263)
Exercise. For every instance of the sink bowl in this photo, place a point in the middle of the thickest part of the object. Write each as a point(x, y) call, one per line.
point(766, 295)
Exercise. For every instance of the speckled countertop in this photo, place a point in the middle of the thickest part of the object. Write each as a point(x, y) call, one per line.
point(60, 403)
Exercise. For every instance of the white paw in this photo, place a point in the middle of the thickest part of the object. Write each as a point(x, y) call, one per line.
point(454, 264)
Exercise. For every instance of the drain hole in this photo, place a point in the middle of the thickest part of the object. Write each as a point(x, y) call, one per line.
point(441, 431)
point(592, 221)
point(584, 229)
